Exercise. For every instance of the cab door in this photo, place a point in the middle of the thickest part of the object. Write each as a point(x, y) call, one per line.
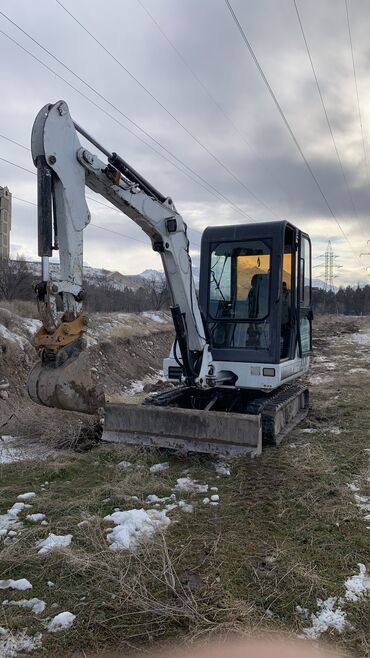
point(304, 296)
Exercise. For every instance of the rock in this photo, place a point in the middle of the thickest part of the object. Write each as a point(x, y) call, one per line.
point(4, 395)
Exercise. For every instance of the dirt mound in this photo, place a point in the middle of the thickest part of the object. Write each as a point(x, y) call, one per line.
point(122, 347)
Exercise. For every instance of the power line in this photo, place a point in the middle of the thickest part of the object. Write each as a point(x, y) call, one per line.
point(14, 164)
point(198, 176)
point(103, 228)
point(212, 191)
point(101, 203)
point(14, 142)
point(286, 122)
point(19, 166)
point(325, 110)
point(153, 97)
point(357, 94)
point(207, 91)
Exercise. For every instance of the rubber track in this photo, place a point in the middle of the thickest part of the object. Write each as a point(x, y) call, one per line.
point(269, 405)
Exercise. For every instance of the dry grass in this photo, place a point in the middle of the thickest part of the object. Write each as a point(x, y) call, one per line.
point(23, 309)
point(285, 533)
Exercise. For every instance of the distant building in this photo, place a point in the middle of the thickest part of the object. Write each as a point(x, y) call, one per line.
point(5, 221)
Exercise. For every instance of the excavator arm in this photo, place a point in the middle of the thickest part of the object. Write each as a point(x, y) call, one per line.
point(64, 169)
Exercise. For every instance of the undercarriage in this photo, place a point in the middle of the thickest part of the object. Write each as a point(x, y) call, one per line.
point(224, 421)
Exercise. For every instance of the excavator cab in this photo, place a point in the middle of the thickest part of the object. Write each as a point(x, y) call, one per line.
point(255, 296)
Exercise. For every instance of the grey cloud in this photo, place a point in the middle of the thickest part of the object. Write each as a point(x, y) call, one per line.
point(206, 36)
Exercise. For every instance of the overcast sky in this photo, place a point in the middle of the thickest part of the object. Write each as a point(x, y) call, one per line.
point(240, 147)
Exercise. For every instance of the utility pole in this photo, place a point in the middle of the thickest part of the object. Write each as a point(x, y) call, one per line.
point(329, 267)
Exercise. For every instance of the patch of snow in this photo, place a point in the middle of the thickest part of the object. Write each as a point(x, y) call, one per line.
point(309, 430)
point(26, 496)
point(50, 583)
point(35, 518)
point(361, 338)
point(205, 501)
point(157, 468)
point(35, 605)
point(320, 358)
point(352, 371)
point(357, 586)
point(215, 498)
point(10, 519)
point(134, 526)
point(302, 612)
point(12, 643)
point(187, 508)
point(335, 430)
point(32, 325)
point(213, 502)
point(330, 365)
point(153, 316)
point(138, 385)
point(187, 484)
point(170, 507)
point(353, 487)
point(316, 380)
point(9, 453)
point(222, 468)
point(13, 337)
point(362, 502)
point(328, 617)
point(153, 498)
point(125, 464)
point(53, 541)
point(61, 622)
point(21, 584)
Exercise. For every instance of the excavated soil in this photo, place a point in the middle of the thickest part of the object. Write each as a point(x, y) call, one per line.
point(123, 348)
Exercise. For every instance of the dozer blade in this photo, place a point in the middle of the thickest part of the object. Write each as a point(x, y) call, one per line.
point(183, 429)
point(71, 386)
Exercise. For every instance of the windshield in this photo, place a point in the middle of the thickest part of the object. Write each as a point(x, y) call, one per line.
point(239, 290)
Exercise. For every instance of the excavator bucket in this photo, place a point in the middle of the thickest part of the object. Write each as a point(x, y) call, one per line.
point(183, 429)
point(71, 386)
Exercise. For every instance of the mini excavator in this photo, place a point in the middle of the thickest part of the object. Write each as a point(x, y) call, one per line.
point(241, 344)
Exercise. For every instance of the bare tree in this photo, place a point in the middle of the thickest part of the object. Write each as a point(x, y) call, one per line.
point(15, 279)
point(158, 292)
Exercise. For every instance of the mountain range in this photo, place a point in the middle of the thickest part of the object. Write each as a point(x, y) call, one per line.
point(97, 277)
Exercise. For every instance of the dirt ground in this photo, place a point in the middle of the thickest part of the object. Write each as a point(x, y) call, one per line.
point(281, 545)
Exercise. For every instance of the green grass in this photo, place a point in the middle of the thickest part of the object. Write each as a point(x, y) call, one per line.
point(285, 533)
